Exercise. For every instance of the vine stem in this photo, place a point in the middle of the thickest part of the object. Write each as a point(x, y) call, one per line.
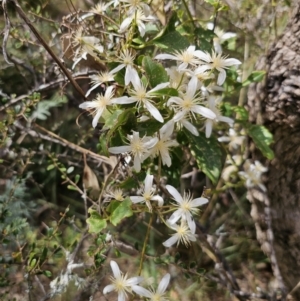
point(189, 13)
point(145, 244)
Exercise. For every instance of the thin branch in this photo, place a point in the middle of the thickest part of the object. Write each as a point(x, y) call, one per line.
point(6, 33)
point(46, 46)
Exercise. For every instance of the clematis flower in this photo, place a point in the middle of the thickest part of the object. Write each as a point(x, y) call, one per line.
point(164, 143)
point(253, 173)
point(98, 79)
point(153, 295)
point(189, 103)
point(120, 283)
point(184, 58)
point(139, 147)
point(148, 194)
point(99, 104)
point(115, 194)
point(143, 97)
point(184, 234)
point(213, 104)
point(215, 61)
point(139, 17)
point(234, 140)
point(126, 59)
point(187, 206)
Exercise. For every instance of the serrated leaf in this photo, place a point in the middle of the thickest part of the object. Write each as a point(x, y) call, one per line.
point(209, 155)
point(156, 73)
point(254, 77)
point(262, 139)
point(122, 211)
point(96, 222)
point(172, 41)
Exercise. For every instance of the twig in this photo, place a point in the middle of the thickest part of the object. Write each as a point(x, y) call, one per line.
point(56, 139)
point(48, 49)
point(6, 33)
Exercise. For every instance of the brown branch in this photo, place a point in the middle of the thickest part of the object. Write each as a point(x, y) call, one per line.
point(46, 46)
point(58, 140)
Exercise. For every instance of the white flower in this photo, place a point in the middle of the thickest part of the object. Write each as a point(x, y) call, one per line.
point(139, 17)
point(185, 58)
point(140, 95)
point(183, 122)
point(153, 295)
point(115, 194)
point(120, 283)
point(178, 80)
point(184, 234)
point(164, 143)
point(127, 60)
point(101, 8)
point(99, 104)
point(187, 206)
point(98, 79)
point(213, 104)
point(215, 61)
point(139, 147)
point(252, 174)
point(85, 45)
point(135, 5)
point(234, 140)
point(221, 36)
point(189, 103)
point(148, 194)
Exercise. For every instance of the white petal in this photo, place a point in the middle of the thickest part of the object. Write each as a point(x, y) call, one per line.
point(202, 56)
point(141, 27)
point(174, 99)
point(174, 192)
point(125, 24)
point(163, 284)
point(93, 88)
point(159, 199)
point(192, 86)
point(159, 87)
point(148, 183)
point(171, 241)
point(151, 142)
point(97, 116)
point(175, 217)
point(199, 202)
point(120, 149)
point(131, 75)
point(118, 68)
point(115, 269)
point(232, 62)
point(137, 164)
point(190, 127)
point(137, 199)
point(192, 226)
point(208, 128)
point(124, 100)
point(141, 291)
point(109, 288)
point(134, 280)
point(88, 105)
point(179, 115)
point(121, 296)
point(205, 112)
point(166, 159)
point(165, 56)
point(153, 111)
point(167, 129)
point(221, 76)
point(226, 119)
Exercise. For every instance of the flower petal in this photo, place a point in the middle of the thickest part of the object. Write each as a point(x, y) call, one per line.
point(137, 199)
point(115, 269)
point(153, 111)
point(171, 241)
point(97, 116)
point(190, 127)
point(109, 288)
point(163, 284)
point(148, 183)
point(120, 149)
point(141, 291)
point(174, 192)
point(205, 112)
point(199, 202)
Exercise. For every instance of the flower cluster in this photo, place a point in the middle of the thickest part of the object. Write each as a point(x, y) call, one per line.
point(123, 285)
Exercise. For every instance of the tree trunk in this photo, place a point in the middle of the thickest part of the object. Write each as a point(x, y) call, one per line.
point(275, 103)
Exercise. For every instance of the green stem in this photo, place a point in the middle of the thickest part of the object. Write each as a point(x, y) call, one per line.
point(145, 244)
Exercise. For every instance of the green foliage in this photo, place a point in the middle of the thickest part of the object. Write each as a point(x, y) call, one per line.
point(156, 72)
point(262, 139)
point(96, 222)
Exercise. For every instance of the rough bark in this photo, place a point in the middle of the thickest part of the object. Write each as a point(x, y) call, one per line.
point(276, 104)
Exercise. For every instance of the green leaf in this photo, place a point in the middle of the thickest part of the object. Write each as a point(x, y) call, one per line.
point(96, 222)
point(156, 73)
point(51, 166)
point(205, 36)
point(209, 155)
point(47, 273)
point(71, 187)
point(255, 76)
point(172, 41)
point(110, 119)
point(121, 211)
point(166, 92)
point(242, 113)
point(262, 139)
